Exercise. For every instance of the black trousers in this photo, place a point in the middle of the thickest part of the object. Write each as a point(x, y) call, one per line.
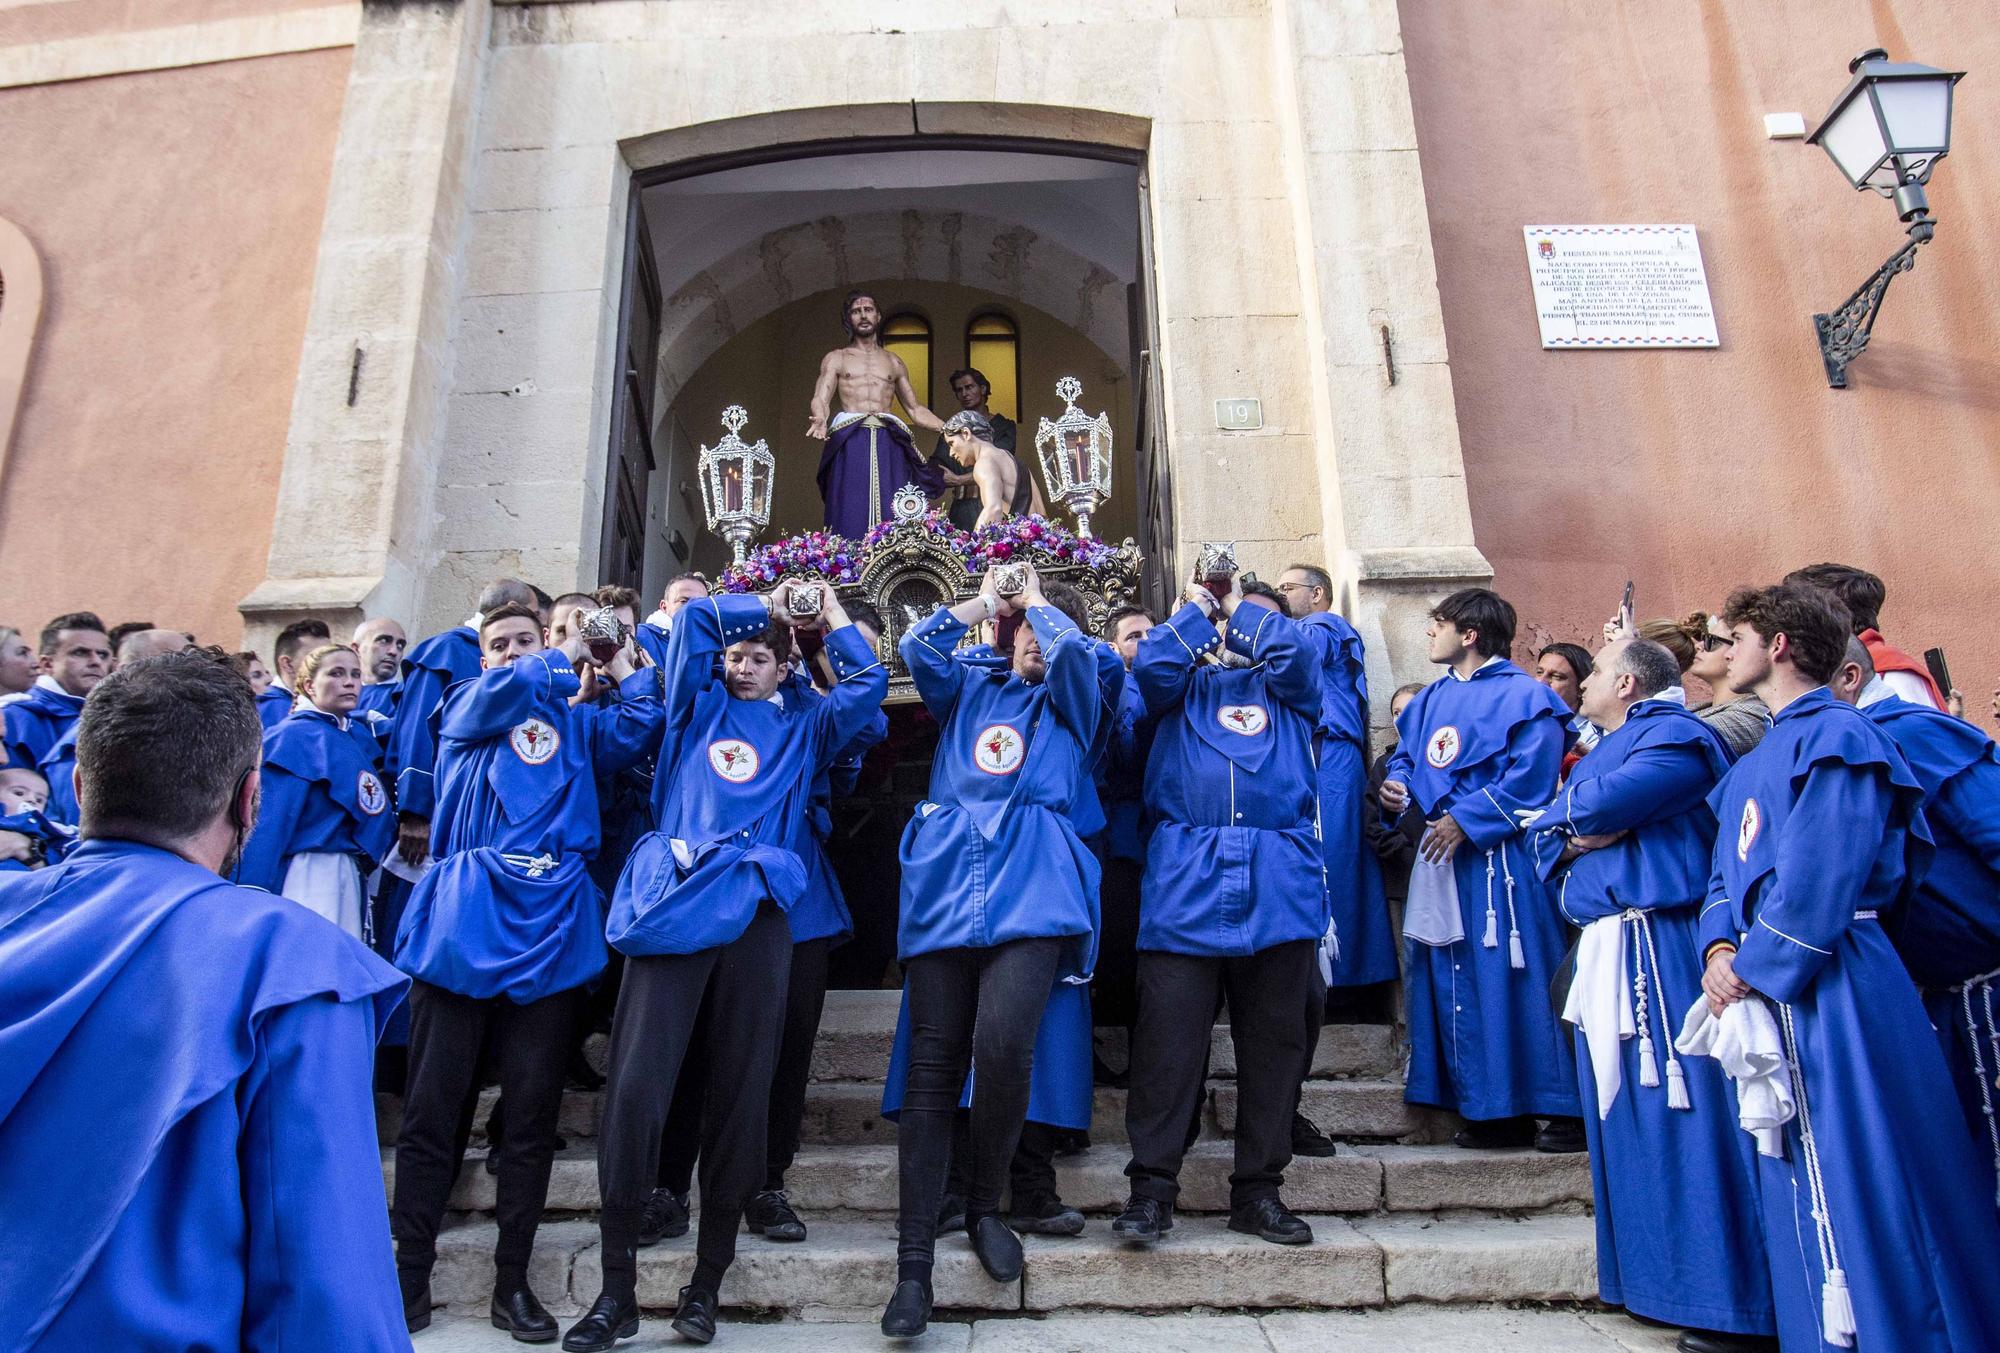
point(805, 1001)
point(526, 1045)
point(968, 1007)
point(1114, 987)
point(739, 989)
point(1274, 1001)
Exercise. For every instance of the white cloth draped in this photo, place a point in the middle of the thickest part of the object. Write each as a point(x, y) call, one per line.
point(1600, 1004)
point(1432, 915)
point(1746, 1041)
point(328, 883)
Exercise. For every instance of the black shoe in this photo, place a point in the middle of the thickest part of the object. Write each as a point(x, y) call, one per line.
point(951, 1214)
point(664, 1217)
point(1563, 1136)
point(770, 1215)
point(1308, 1140)
point(1102, 1074)
point(1072, 1143)
point(909, 1311)
point(694, 1319)
point(998, 1248)
point(1269, 1219)
point(607, 1321)
point(492, 1162)
point(1495, 1134)
point(416, 1285)
point(1716, 1341)
point(1143, 1221)
point(521, 1315)
point(1047, 1215)
point(580, 1074)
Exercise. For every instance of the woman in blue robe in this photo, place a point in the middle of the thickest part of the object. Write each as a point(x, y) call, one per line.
point(1626, 845)
point(326, 821)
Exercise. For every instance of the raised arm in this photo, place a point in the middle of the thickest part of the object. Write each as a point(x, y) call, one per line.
point(1167, 655)
point(705, 627)
point(860, 683)
point(927, 649)
point(1262, 635)
point(625, 731)
point(1072, 676)
point(500, 697)
point(822, 400)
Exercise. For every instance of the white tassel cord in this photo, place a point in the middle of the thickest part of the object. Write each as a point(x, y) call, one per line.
point(1492, 937)
point(1972, 1036)
point(1677, 1091)
point(1515, 956)
point(1836, 1303)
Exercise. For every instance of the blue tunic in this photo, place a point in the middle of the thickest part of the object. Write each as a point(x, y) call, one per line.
point(733, 790)
point(1820, 824)
point(1233, 865)
point(1483, 1038)
point(57, 838)
point(58, 767)
point(821, 913)
point(320, 794)
point(1121, 777)
point(429, 670)
point(275, 704)
point(380, 698)
point(509, 908)
point(992, 855)
point(1360, 910)
point(187, 1133)
point(31, 725)
point(1949, 933)
point(1653, 1166)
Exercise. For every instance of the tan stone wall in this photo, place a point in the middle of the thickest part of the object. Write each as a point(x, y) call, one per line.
point(770, 368)
point(1693, 471)
point(176, 213)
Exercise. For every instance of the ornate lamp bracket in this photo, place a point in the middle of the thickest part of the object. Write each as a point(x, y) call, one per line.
point(1844, 334)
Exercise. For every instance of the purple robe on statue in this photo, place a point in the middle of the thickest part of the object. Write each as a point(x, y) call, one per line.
point(867, 458)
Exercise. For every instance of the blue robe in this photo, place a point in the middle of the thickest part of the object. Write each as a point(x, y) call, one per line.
point(821, 913)
point(31, 725)
point(1819, 824)
point(1360, 910)
point(320, 794)
point(1654, 1167)
point(1121, 777)
point(187, 1131)
point(992, 855)
point(1483, 1038)
point(1949, 934)
point(1233, 865)
point(58, 767)
point(732, 792)
point(275, 704)
point(509, 908)
point(56, 839)
point(380, 698)
point(429, 670)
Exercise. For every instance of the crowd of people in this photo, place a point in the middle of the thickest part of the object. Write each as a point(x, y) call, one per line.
point(1770, 922)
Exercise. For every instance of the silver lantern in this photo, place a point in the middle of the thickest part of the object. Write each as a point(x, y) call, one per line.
point(736, 480)
point(1075, 452)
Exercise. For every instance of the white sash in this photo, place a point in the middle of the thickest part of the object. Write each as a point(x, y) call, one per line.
point(1432, 915)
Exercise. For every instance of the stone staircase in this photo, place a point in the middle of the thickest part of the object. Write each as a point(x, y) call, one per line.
point(1399, 1216)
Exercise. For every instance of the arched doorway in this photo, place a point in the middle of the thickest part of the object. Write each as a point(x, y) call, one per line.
point(736, 265)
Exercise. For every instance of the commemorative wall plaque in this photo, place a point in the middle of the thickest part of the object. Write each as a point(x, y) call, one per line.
point(1620, 286)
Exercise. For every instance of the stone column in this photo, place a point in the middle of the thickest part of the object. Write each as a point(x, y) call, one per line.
point(1396, 517)
point(352, 531)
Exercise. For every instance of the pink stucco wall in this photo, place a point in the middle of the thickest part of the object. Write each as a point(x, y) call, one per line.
point(1692, 471)
point(177, 214)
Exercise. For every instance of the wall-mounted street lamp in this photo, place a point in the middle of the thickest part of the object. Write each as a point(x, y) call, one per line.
point(1886, 132)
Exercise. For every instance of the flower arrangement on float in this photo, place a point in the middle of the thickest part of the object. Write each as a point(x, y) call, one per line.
point(823, 554)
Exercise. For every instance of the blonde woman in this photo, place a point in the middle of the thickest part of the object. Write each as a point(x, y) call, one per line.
point(325, 819)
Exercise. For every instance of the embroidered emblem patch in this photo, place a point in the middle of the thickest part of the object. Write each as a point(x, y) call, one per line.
point(1746, 831)
point(534, 741)
point(999, 749)
point(1442, 749)
point(733, 759)
point(370, 792)
point(1249, 720)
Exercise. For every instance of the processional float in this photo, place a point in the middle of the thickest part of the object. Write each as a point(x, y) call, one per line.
point(908, 566)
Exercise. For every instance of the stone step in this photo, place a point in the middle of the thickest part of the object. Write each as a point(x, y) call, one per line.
point(848, 1268)
point(849, 1113)
point(846, 1181)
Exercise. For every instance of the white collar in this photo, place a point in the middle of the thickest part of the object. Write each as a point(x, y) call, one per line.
point(46, 682)
point(1672, 695)
point(660, 620)
point(1452, 672)
point(473, 624)
point(1875, 692)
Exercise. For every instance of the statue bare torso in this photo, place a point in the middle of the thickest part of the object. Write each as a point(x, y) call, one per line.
point(867, 380)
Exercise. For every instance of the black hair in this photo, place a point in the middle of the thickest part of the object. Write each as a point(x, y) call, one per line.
point(76, 620)
point(777, 637)
point(116, 634)
point(1860, 591)
point(297, 637)
point(1316, 576)
point(1069, 600)
point(507, 610)
point(1576, 655)
point(1120, 615)
point(1257, 587)
point(163, 745)
point(847, 304)
point(973, 372)
point(1811, 618)
point(1486, 613)
point(862, 612)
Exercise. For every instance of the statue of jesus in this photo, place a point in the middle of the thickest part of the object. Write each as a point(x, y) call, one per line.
point(870, 453)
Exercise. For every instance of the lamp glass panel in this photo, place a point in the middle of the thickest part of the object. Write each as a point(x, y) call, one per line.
point(1854, 139)
point(909, 337)
point(1918, 112)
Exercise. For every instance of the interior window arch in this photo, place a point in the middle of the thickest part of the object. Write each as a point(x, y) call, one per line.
point(908, 335)
point(993, 348)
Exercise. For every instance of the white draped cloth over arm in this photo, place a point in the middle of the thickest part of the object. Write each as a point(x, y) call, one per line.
point(1746, 1041)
